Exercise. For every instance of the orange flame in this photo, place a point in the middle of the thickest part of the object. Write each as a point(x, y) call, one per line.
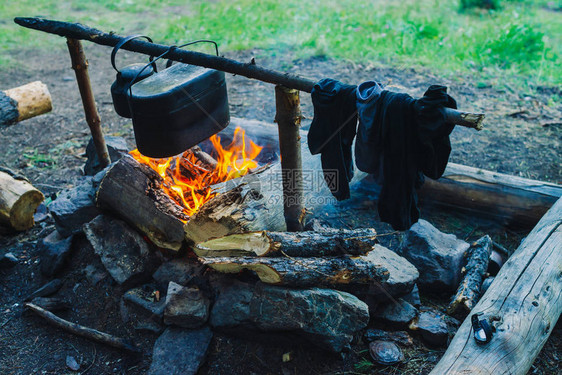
point(187, 179)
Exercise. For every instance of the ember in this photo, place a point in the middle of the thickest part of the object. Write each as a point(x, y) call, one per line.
point(188, 180)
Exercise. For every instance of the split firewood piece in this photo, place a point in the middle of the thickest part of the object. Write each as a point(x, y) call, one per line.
point(79, 330)
point(133, 191)
point(304, 272)
point(18, 202)
point(295, 244)
point(468, 292)
point(24, 102)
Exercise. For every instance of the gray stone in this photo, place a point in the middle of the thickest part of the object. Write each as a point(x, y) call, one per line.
point(71, 363)
point(116, 146)
point(180, 271)
point(432, 326)
point(143, 300)
point(73, 208)
point(94, 274)
point(400, 337)
point(185, 307)
point(402, 275)
point(180, 351)
point(485, 285)
point(8, 260)
point(328, 318)
point(397, 313)
point(53, 251)
point(51, 287)
point(123, 252)
point(437, 256)
point(413, 298)
point(385, 353)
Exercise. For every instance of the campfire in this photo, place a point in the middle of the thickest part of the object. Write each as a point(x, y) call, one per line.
point(188, 178)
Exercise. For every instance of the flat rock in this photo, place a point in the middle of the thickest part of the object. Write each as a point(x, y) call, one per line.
point(437, 256)
point(186, 307)
point(123, 252)
point(397, 313)
point(73, 208)
point(53, 250)
point(326, 317)
point(116, 146)
point(385, 353)
point(399, 337)
point(180, 271)
point(51, 287)
point(144, 301)
point(8, 260)
point(180, 351)
point(432, 326)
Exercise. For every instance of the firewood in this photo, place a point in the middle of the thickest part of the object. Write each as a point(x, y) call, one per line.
point(132, 191)
point(469, 291)
point(523, 303)
point(24, 102)
point(18, 202)
point(79, 330)
point(296, 244)
point(303, 272)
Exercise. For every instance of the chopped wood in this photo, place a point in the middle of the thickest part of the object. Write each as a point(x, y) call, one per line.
point(21, 103)
point(132, 191)
point(469, 290)
point(18, 202)
point(304, 272)
point(297, 244)
point(79, 330)
point(524, 303)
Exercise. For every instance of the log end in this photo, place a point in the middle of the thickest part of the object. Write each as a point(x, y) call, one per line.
point(266, 273)
point(21, 214)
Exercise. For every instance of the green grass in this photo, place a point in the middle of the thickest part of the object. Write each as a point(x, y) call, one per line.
point(522, 40)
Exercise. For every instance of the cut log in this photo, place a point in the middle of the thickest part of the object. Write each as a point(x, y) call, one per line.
point(24, 102)
point(469, 290)
point(132, 191)
point(304, 272)
point(524, 303)
point(297, 244)
point(18, 202)
point(512, 200)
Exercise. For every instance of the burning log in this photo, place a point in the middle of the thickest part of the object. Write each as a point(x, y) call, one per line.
point(304, 272)
point(18, 201)
point(296, 244)
point(24, 102)
point(524, 303)
point(133, 191)
point(469, 291)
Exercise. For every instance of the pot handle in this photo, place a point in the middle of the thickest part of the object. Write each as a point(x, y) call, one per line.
point(122, 42)
point(170, 62)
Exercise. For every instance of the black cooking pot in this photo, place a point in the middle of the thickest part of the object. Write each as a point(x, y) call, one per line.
point(177, 108)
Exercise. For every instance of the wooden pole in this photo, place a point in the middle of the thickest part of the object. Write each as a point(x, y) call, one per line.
point(288, 118)
point(80, 66)
point(250, 69)
point(524, 303)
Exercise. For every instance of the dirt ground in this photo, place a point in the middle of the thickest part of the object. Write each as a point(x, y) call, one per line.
point(522, 136)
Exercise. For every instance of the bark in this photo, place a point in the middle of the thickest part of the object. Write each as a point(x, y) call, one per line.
point(469, 290)
point(132, 191)
point(21, 103)
point(18, 202)
point(298, 244)
point(524, 303)
point(304, 272)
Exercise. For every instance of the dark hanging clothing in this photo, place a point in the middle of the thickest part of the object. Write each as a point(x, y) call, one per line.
point(399, 139)
point(332, 131)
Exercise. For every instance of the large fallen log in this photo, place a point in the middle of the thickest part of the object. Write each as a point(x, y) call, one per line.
point(18, 202)
point(296, 244)
point(132, 191)
point(24, 102)
point(524, 303)
point(303, 272)
point(512, 200)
